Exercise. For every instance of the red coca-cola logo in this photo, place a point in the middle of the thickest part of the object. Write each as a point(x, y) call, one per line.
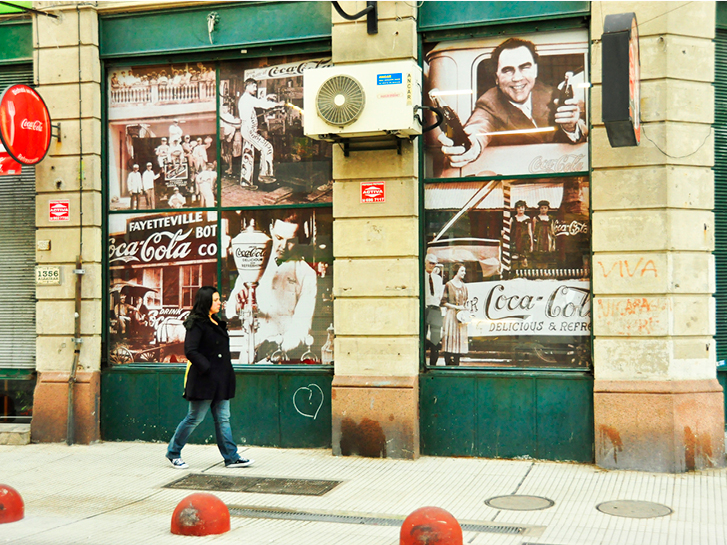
point(25, 128)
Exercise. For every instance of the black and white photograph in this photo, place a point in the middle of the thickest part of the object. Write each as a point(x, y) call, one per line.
point(265, 157)
point(507, 273)
point(157, 263)
point(277, 280)
point(511, 106)
point(162, 137)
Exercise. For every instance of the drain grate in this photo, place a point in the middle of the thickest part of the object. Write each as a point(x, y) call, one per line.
point(260, 485)
point(251, 511)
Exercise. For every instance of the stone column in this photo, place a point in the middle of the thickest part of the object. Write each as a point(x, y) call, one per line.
point(375, 394)
point(60, 45)
point(657, 403)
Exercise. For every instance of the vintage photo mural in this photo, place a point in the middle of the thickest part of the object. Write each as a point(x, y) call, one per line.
point(507, 273)
point(277, 281)
point(205, 161)
point(513, 106)
point(265, 158)
point(157, 262)
point(162, 140)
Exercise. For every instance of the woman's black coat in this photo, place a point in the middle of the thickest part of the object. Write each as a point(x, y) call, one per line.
point(207, 347)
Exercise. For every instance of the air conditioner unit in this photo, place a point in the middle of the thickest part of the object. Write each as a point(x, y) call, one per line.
point(359, 101)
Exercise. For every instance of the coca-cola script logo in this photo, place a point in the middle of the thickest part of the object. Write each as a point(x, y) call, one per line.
point(249, 260)
point(251, 252)
point(570, 229)
point(570, 162)
point(287, 70)
point(31, 125)
point(160, 247)
point(25, 128)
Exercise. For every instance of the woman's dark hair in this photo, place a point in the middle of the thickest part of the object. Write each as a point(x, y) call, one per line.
point(203, 301)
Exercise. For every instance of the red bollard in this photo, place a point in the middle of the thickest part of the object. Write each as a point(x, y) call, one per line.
point(200, 514)
point(12, 507)
point(430, 525)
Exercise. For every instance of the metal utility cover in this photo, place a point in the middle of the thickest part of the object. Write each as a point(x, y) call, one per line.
point(634, 509)
point(520, 503)
point(260, 485)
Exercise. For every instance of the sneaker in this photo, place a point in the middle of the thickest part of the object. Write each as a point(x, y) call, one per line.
point(241, 462)
point(178, 463)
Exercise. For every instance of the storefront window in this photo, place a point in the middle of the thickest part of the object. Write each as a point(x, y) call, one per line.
point(191, 281)
point(507, 222)
point(145, 249)
point(186, 205)
point(261, 120)
point(162, 136)
point(281, 307)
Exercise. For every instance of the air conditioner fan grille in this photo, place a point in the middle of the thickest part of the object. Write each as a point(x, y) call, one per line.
point(340, 100)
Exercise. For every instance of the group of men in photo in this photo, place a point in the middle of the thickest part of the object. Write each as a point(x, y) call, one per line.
point(181, 160)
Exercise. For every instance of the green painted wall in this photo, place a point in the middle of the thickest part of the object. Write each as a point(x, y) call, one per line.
point(272, 407)
point(447, 15)
point(547, 415)
point(16, 42)
point(721, 15)
point(239, 24)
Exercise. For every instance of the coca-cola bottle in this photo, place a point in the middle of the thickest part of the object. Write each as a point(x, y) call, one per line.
point(566, 89)
point(451, 126)
point(327, 348)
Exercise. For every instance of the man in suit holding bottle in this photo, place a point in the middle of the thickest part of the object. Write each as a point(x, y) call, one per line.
point(517, 102)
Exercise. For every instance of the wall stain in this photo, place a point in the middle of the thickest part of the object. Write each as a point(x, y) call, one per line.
point(365, 439)
point(607, 432)
point(697, 448)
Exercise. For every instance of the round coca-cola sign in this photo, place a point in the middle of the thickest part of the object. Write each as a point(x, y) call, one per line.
point(25, 129)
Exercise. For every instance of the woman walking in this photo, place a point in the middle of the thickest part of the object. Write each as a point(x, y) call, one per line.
point(209, 381)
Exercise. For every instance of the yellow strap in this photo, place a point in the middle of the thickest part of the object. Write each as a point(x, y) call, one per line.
point(186, 373)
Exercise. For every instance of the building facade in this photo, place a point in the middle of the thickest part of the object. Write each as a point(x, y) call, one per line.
point(507, 284)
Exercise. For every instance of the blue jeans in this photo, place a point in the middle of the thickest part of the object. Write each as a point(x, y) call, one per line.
point(223, 432)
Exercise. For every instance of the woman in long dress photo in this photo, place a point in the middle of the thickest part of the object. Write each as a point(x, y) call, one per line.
point(454, 341)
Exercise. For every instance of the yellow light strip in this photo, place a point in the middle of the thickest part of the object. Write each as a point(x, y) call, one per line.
point(518, 131)
point(448, 93)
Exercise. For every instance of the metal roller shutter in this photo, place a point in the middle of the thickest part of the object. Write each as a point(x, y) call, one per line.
point(17, 254)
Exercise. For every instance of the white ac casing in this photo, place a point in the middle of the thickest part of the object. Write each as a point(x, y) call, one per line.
point(389, 106)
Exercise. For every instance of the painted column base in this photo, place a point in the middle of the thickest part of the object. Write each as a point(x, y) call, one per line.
point(662, 426)
point(377, 417)
point(50, 408)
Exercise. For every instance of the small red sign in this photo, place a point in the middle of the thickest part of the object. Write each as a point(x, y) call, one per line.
point(373, 192)
point(59, 211)
point(8, 165)
point(25, 129)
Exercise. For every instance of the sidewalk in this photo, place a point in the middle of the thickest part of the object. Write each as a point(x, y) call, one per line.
point(113, 493)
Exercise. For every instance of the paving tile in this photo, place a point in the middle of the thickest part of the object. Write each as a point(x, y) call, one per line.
point(112, 493)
